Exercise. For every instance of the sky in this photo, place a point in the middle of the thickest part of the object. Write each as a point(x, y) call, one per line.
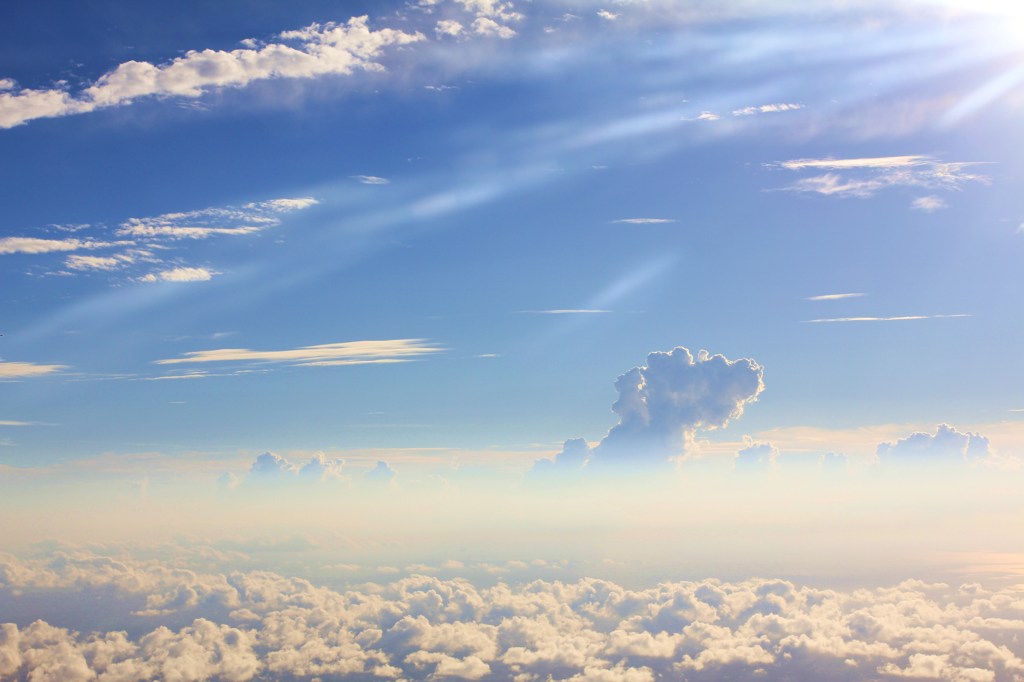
point(510, 339)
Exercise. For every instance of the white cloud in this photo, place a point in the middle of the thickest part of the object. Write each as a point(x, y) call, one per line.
point(203, 223)
point(644, 221)
point(661, 406)
point(928, 204)
point(316, 50)
point(371, 180)
point(767, 109)
point(486, 26)
point(897, 318)
point(707, 116)
point(107, 263)
point(16, 370)
point(606, 15)
point(269, 467)
point(341, 353)
point(247, 625)
point(864, 177)
point(448, 27)
point(36, 246)
point(756, 455)
point(183, 274)
point(833, 297)
point(567, 311)
point(945, 445)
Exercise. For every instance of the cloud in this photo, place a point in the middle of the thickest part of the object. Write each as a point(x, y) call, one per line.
point(662, 405)
point(328, 354)
point(767, 109)
point(756, 455)
point(898, 318)
point(183, 274)
point(269, 467)
point(928, 204)
point(17, 370)
point(486, 26)
point(208, 222)
point(34, 245)
point(608, 16)
point(105, 263)
point(945, 445)
point(371, 180)
point(448, 27)
point(644, 221)
point(833, 297)
point(864, 177)
point(247, 625)
point(316, 50)
point(566, 311)
point(381, 473)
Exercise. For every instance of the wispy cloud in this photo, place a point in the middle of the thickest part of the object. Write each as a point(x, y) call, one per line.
point(182, 274)
point(17, 370)
point(928, 204)
point(328, 354)
point(565, 311)
point(644, 221)
point(898, 318)
point(14, 422)
point(208, 222)
point(316, 50)
point(606, 15)
point(371, 180)
point(34, 245)
point(863, 177)
point(767, 109)
point(832, 297)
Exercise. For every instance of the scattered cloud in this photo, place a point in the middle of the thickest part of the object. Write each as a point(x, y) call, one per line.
point(644, 221)
point(316, 50)
point(17, 370)
point(485, 26)
point(606, 15)
point(767, 109)
point(832, 297)
point(945, 445)
point(371, 180)
point(898, 318)
point(328, 354)
point(182, 274)
point(756, 455)
point(13, 422)
point(928, 204)
point(864, 177)
point(105, 263)
point(381, 473)
point(449, 27)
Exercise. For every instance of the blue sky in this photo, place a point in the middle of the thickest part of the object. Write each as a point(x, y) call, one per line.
point(343, 279)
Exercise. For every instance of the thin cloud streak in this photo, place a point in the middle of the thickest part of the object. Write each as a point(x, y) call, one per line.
point(898, 318)
point(832, 297)
point(328, 354)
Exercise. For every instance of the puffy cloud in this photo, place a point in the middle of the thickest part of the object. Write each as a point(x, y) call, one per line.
point(756, 455)
point(667, 400)
point(946, 445)
point(269, 467)
point(328, 354)
point(661, 406)
point(381, 473)
point(767, 109)
point(448, 27)
point(928, 204)
point(257, 624)
point(316, 50)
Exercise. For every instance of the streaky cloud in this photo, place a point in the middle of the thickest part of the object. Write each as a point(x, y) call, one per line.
point(897, 318)
point(343, 352)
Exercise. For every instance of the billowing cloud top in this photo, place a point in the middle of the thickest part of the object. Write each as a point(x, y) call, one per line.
point(946, 445)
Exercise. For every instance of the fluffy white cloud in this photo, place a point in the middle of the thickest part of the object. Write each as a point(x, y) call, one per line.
point(661, 406)
point(328, 354)
point(257, 624)
point(767, 109)
point(316, 50)
point(269, 467)
point(945, 445)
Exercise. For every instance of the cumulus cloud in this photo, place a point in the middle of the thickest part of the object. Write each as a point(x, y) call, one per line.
point(248, 625)
point(662, 405)
point(865, 177)
point(756, 455)
point(946, 445)
point(269, 467)
point(767, 109)
point(18, 370)
point(381, 473)
point(328, 354)
point(316, 50)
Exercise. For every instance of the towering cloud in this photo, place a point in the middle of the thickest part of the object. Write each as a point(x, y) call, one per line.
point(663, 404)
point(947, 445)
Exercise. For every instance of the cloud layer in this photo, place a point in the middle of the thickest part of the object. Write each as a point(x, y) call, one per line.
point(244, 625)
